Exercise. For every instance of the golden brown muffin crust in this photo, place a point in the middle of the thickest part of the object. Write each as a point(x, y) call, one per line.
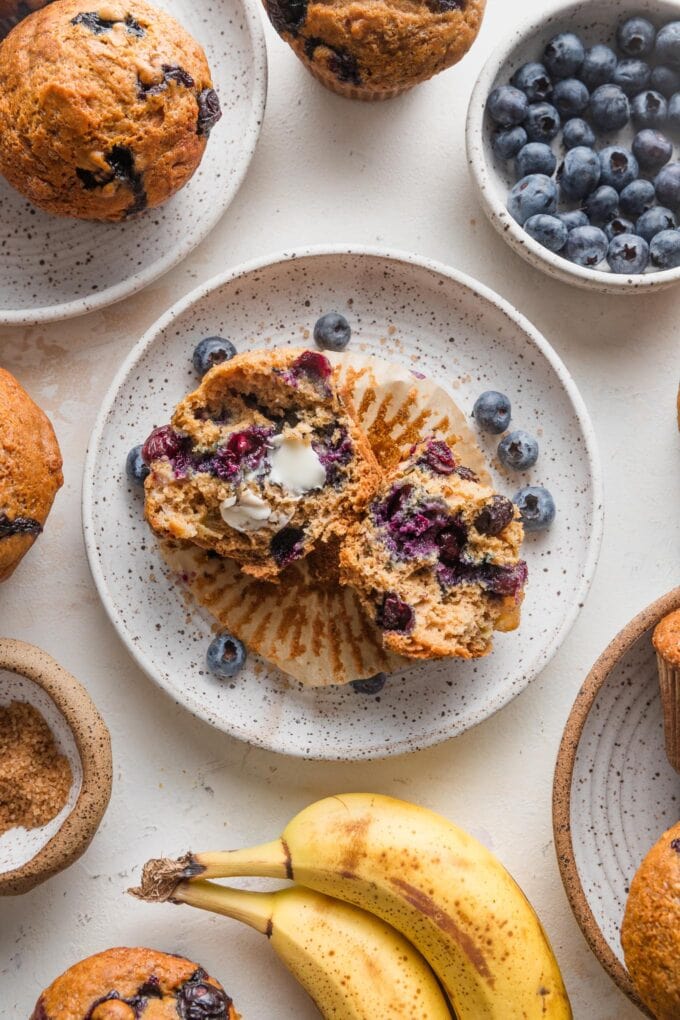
point(666, 638)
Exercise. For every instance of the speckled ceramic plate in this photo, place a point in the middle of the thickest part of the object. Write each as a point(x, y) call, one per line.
point(615, 792)
point(411, 311)
point(55, 268)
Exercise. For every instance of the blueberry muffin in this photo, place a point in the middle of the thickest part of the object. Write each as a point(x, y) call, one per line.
point(436, 562)
point(124, 984)
point(261, 463)
point(105, 110)
point(376, 49)
point(650, 933)
point(30, 472)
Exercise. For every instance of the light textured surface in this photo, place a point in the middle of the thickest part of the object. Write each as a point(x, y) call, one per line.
point(327, 170)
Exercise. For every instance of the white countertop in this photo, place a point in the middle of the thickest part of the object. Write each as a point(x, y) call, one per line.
point(329, 170)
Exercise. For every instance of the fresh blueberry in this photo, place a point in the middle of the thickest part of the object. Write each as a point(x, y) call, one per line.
point(535, 158)
point(211, 351)
point(649, 109)
point(619, 167)
point(518, 451)
point(226, 655)
point(507, 106)
point(574, 218)
point(628, 253)
point(579, 174)
point(372, 684)
point(548, 231)
point(674, 110)
point(636, 198)
point(135, 468)
point(636, 37)
point(506, 142)
point(609, 108)
point(542, 123)
point(665, 80)
point(492, 412)
point(577, 132)
point(599, 66)
point(570, 97)
point(652, 149)
point(664, 250)
point(653, 222)
point(632, 76)
point(667, 48)
point(534, 81)
point(618, 225)
point(564, 55)
point(536, 507)
point(532, 195)
point(586, 246)
point(667, 184)
point(332, 332)
point(602, 205)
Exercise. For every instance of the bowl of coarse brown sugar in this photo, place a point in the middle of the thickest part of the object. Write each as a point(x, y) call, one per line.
point(55, 767)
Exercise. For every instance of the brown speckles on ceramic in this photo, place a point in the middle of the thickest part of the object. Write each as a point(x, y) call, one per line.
point(54, 268)
point(420, 315)
point(596, 22)
point(68, 705)
point(614, 792)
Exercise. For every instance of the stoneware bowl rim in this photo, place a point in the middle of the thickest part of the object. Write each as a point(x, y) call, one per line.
point(482, 173)
point(94, 748)
point(564, 770)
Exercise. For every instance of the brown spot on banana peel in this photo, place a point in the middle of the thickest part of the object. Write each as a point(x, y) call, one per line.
point(427, 906)
point(288, 859)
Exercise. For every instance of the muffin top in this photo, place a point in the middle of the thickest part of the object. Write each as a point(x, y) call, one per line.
point(666, 638)
point(30, 472)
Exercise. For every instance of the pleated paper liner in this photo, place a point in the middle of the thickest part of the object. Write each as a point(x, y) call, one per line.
point(308, 625)
point(346, 89)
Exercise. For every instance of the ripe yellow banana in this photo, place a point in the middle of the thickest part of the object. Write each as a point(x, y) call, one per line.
point(354, 966)
point(431, 881)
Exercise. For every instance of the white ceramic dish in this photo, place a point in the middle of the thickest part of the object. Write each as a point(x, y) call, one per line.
point(595, 21)
point(412, 311)
point(54, 268)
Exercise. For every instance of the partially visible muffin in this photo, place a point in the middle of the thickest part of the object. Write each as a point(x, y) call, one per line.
point(12, 11)
point(105, 108)
point(666, 641)
point(436, 560)
point(123, 984)
point(376, 49)
point(30, 472)
point(650, 934)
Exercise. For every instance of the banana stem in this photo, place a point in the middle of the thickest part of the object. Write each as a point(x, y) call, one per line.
point(252, 908)
point(270, 860)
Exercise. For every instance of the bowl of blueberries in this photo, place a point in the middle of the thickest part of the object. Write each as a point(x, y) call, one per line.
point(573, 139)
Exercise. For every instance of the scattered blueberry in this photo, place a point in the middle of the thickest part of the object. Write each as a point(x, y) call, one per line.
point(534, 81)
point(637, 197)
point(664, 249)
point(492, 412)
point(542, 122)
point(619, 167)
point(649, 109)
point(549, 231)
point(674, 110)
point(579, 174)
point(577, 132)
point(536, 507)
point(653, 222)
point(586, 246)
point(667, 48)
point(535, 158)
point(506, 142)
point(651, 149)
point(599, 66)
point(609, 108)
point(564, 55)
point(507, 106)
point(211, 351)
point(632, 76)
point(667, 184)
point(665, 80)
point(532, 195)
point(573, 218)
point(518, 450)
point(332, 332)
point(226, 655)
point(628, 254)
point(618, 225)
point(601, 205)
point(636, 37)
point(135, 468)
point(372, 684)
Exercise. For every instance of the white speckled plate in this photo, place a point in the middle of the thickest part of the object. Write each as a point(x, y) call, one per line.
point(415, 312)
point(615, 792)
point(54, 268)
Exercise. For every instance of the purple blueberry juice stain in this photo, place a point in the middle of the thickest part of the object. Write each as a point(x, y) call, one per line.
point(311, 365)
point(287, 546)
point(335, 450)
point(438, 457)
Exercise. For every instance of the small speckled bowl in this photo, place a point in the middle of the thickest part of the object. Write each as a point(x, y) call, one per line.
point(595, 22)
point(615, 791)
point(29, 857)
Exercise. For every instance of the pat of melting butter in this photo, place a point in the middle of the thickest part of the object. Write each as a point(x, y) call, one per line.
point(295, 465)
point(250, 512)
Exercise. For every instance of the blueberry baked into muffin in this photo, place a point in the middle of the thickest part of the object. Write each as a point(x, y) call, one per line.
point(30, 472)
point(105, 108)
point(375, 49)
point(436, 561)
point(262, 463)
point(128, 984)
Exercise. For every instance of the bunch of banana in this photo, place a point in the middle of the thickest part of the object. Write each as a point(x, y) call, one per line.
point(423, 876)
